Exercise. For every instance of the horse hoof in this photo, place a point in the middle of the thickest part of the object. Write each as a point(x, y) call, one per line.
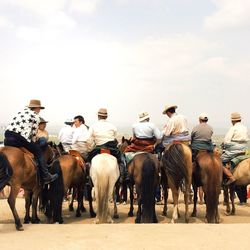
point(71, 208)
point(36, 221)
point(130, 214)
point(164, 213)
point(193, 214)
point(137, 221)
point(83, 210)
point(26, 220)
point(187, 220)
point(116, 216)
point(19, 228)
point(78, 214)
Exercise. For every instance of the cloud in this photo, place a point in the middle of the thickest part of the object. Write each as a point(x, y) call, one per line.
point(230, 14)
point(4, 22)
point(83, 6)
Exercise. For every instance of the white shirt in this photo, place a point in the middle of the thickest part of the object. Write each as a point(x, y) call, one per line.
point(177, 124)
point(80, 134)
point(238, 132)
point(101, 132)
point(146, 130)
point(66, 134)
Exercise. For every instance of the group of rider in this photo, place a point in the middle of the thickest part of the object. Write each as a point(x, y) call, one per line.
point(27, 130)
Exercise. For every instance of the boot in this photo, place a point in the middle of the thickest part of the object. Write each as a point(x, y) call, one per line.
point(44, 173)
point(229, 175)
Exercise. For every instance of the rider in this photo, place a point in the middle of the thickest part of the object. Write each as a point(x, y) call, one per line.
point(42, 135)
point(176, 129)
point(103, 134)
point(201, 136)
point(21, 133)
point(235, 143)
point(145, 135)
point(65, 135)
point(80, 136)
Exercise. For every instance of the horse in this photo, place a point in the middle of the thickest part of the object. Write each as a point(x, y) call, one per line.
point(144, 174)
point(176, 167)
point(104, 173)
point(242, 175)
point(19, 170)
point(207, 172)
point(72, 173)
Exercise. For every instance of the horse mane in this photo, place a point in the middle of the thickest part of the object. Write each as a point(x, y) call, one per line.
point(174, 162)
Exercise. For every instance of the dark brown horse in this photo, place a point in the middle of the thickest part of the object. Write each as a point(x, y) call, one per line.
point(208, 174)
point(144, 172)
point(20, 171)
point(176, 168)
point(72, 174)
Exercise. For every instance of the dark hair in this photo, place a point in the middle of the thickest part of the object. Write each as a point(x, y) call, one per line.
point(80, 118)
point(171, 110)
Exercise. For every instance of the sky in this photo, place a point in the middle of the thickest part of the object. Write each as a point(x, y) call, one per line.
point(128, 56)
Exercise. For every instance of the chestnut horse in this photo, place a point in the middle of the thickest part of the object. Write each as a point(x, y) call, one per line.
point(208, 174)
point(20, 171)
point(176, 167)
point(72, 173)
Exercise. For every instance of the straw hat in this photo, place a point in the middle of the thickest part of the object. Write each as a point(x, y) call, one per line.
point(42, 120)
point(143, 116)
point(203, 117)
point(235, 116)
point(167, 107)
point(35, 104)
point(102, 112)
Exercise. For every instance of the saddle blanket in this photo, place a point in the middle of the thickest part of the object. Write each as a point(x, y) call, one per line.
point(235, 161)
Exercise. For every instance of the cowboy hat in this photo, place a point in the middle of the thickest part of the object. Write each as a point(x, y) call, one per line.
point(35, 104)
point(143, 116)
point(167, 107)
point(203, 117)
point(235, 116)
point(42, 120)
point(102, 112)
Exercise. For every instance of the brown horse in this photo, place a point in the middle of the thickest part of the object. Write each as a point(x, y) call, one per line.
point(207, 173)
point(72, 173)
point(176, 167)
point(242, 175)
point(21, 170)
point(144, 172)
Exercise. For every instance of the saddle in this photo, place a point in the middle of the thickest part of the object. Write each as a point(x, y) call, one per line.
point(78, 157)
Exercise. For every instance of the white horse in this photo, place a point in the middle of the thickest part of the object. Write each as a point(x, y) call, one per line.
point(104, 173)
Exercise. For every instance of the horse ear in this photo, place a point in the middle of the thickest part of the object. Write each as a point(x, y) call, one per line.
point(123, 139)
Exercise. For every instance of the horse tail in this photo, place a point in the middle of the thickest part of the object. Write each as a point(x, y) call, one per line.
point(212, 170)
point(174, 163)
point(102, 196)
point(6, 171)
point(148, 190)
point(56, 192)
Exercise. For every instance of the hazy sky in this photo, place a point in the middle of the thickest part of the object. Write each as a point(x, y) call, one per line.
point(128, 56)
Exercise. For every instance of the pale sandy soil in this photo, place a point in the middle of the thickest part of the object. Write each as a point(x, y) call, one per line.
point(81, 233)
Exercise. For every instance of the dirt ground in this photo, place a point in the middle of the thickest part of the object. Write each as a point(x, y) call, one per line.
point(82, 233)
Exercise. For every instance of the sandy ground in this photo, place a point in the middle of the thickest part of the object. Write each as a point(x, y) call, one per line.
point(82, 233)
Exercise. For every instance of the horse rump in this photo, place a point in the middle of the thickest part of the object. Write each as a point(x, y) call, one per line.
point(6, 171)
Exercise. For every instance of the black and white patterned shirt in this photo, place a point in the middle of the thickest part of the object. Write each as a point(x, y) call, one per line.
point(25, 123)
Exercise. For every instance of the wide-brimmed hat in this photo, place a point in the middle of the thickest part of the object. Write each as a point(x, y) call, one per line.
point(143, 116)
point(203, 116)
point(69, 121)
point(235, 116)
point(42, 120)
point(167, 107)
point(35, 104)
point(102, 112)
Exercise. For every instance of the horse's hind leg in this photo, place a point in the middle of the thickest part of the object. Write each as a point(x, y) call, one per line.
point(28, 198)
point(131, 194)
point(91, 210)
point(226, 199)
point(231, 189)
point(79, 200)
point(116, 216)
point(175, 193)
point(35, 218)
point(71, 206)
point(195, 201)
point(12, 203)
